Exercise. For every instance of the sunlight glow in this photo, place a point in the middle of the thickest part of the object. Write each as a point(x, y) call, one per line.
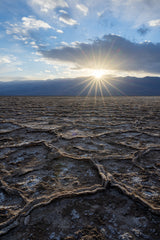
point(98, 73)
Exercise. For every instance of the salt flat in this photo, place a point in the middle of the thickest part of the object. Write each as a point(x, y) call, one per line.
point(79, 168)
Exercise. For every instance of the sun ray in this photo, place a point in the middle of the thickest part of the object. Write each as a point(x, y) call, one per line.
point(101, 91)
point(92, 85)
point(95, 92)
point(89, 83)
point(115, 88)
point(106, 88)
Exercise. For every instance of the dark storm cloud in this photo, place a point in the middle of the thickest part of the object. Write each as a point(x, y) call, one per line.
point(143, 30)
point(111, 52)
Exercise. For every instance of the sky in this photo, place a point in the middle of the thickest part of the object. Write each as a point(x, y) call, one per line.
point(47, 39)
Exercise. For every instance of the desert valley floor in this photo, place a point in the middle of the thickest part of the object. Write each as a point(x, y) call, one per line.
point(79, 168)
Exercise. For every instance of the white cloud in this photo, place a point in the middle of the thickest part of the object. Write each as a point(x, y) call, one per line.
point(27, 24)
point(64, 43)
point(22, 30)
point(21, 38)
point(75, 43)
point(99, 14)
point(154, 23)
point(47, 5)
point(82, 8)
point(15, 29)
point(53, 37)
point(7, 59)
point(62, 11)
point(32, 43)
point(35, 46)
point(59, 31)
point(9, 63)
point(20, 69)
point(67, 20)
point(32, 23)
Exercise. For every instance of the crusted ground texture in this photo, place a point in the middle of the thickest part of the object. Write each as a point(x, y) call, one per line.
point(79, 168)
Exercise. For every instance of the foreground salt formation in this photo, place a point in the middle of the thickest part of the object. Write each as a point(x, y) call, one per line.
point(79, 168)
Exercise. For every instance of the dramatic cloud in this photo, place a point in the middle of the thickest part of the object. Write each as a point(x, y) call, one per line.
point(154, 23)
point(47, 5)
point(82, 8)
point(27, 24)
point(65, 18)
point(112, 52)
point(68, 29)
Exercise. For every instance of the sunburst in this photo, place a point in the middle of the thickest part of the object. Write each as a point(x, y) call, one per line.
point(98, 84)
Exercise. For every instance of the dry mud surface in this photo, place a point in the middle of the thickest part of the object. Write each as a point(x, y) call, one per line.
point(79, 168)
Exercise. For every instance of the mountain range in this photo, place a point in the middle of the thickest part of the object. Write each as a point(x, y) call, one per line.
point(115, 86)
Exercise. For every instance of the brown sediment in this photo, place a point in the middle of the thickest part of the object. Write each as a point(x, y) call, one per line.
point(56, 152)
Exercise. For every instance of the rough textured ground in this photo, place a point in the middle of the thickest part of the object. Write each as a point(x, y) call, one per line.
point(79, 168)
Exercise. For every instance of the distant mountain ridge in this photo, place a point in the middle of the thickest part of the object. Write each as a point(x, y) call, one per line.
point(117, 86)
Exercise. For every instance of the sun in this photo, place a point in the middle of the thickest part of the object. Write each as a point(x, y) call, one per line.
point(98, 84)
point(98, 73)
